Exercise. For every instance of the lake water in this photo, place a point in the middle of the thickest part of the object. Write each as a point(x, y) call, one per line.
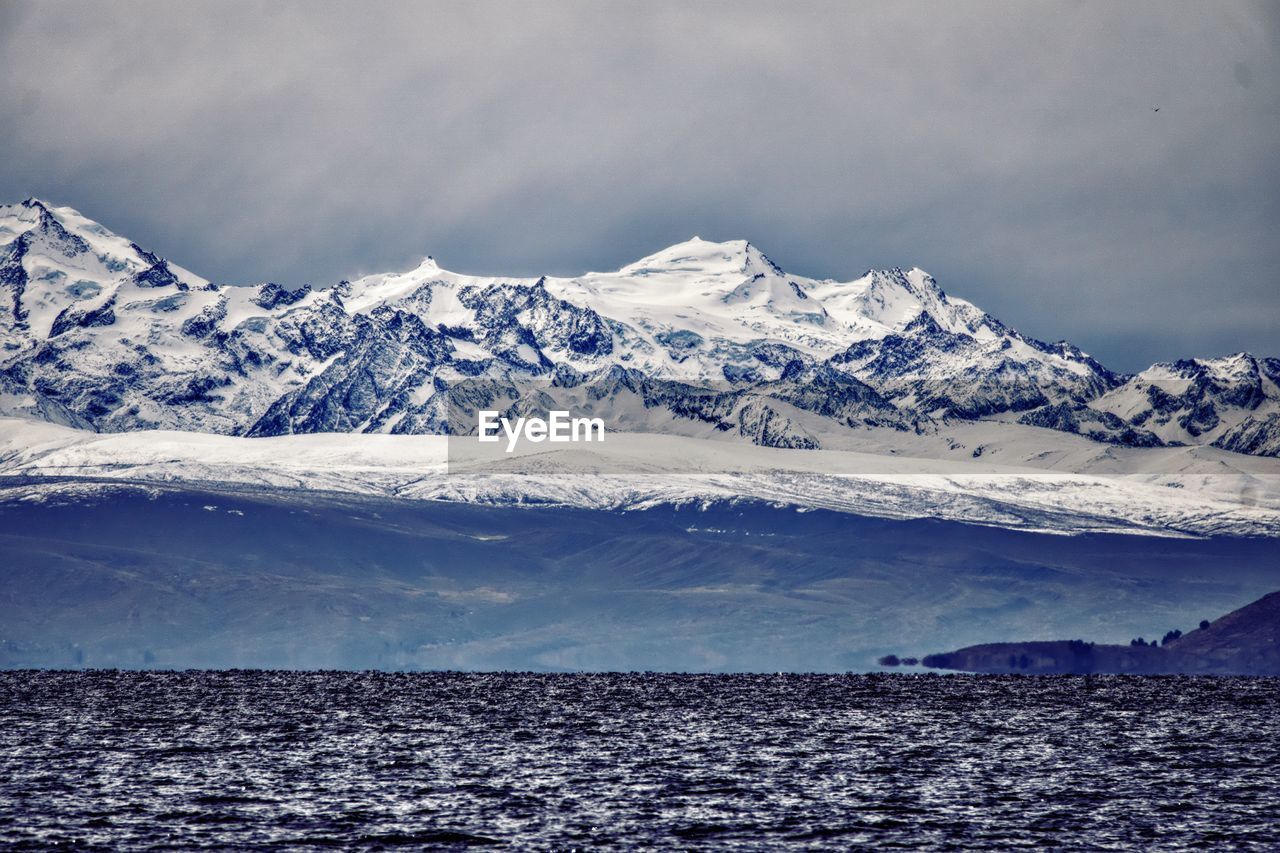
point(243, 759)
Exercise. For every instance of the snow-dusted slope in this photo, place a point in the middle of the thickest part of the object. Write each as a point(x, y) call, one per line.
point(701, 338)
point(1188, 492)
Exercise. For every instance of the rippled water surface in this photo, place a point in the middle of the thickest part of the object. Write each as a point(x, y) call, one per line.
point(242, 759)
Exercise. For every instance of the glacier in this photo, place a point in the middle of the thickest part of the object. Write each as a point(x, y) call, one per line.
point(1195, 492)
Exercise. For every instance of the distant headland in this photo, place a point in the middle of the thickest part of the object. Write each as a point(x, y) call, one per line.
point(1243, 642)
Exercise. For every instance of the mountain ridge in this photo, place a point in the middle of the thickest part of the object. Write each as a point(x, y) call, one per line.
point(102, 334)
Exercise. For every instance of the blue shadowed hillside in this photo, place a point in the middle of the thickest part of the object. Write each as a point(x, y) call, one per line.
point(121, 576)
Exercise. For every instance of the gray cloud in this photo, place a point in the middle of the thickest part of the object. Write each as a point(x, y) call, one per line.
point(1009, 148)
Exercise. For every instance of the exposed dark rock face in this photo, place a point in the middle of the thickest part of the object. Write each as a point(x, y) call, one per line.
point(71, 318)
point(1082, 420)
point(394, 354)
point(1255, 435)
point(271, 295)
point(158, 275)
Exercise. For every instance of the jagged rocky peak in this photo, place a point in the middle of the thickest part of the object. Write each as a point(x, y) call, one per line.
point(897, 298)
point(1223, 401)
point(1223, 372)
point(271, 295)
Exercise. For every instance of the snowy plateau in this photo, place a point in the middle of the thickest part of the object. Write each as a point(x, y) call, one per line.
point(883, 396)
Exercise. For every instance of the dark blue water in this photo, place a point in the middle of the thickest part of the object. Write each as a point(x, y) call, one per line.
point(248, 759)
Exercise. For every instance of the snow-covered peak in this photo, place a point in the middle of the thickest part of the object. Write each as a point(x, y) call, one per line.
point(705, 260)
point(65, 233)
point(35, 218)
point(18, 218)
point(893, 299)
point(57, 264)
point(1228, 368)
point(1198, 400)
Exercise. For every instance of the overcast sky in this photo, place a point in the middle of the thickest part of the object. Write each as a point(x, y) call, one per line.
point(1011, 149)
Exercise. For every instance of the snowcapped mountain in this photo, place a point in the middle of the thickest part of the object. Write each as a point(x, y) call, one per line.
point(948, 358)
point(1230, 402)
point(707, 339)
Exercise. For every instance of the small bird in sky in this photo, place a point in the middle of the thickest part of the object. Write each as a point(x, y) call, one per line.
point(1155, 109)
